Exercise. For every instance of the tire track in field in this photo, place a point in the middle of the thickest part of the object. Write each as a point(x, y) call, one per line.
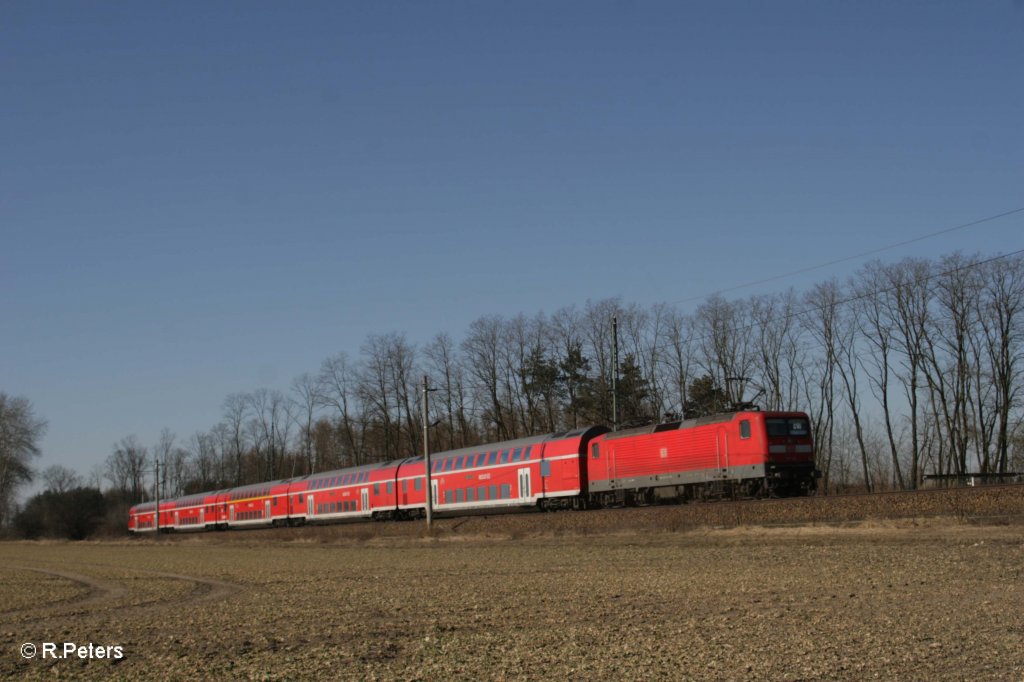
point(210, 590)
point(101, 592)
point(97, 592)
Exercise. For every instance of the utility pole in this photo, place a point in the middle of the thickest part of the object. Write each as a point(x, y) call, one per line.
point(426, 454)
point(615, 374)
point(157, 509)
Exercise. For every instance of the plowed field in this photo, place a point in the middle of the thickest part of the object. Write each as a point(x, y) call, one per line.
point(908, 599)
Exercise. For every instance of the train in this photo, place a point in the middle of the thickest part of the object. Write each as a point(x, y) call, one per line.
point(748, 454)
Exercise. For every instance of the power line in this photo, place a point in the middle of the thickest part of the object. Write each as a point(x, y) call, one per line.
point(864, 254)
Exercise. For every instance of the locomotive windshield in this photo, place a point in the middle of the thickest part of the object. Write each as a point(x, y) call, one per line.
point(787, 427)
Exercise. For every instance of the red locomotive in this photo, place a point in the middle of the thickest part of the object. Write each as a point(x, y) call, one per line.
point(737, 454)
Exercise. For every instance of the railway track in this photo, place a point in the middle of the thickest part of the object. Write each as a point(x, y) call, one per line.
point(997, 502)
point(961, 503)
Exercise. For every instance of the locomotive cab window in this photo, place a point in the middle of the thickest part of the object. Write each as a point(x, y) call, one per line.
point(745, 428)
point(787, 427)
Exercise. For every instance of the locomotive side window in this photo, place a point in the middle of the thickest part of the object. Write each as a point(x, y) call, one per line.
point(745, 428)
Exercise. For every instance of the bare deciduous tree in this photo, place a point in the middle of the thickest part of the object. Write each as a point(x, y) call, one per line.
point(1001, 312)
point(725, 339)
point(128, 469)
point(236, 411)
point(269, 427)
point(483, 352)
point(444, 365)
point(877, 329)
point(20, 433)
point(60, 479)
point(337, 388)
point(305, 401)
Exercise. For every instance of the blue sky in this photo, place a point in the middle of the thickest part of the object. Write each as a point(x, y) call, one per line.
point(199, 198)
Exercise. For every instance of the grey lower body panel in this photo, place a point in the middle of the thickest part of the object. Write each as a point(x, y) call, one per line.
point(681, 478)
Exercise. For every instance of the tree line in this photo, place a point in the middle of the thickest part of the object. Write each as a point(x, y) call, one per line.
point(905, 368)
